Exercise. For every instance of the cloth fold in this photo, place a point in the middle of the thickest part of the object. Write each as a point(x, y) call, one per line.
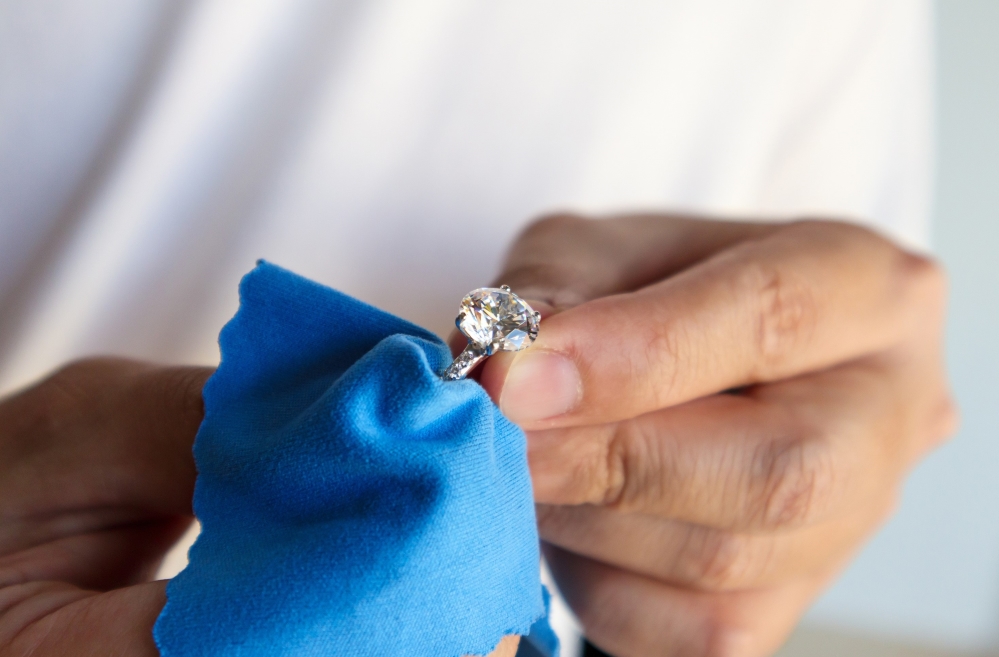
point(351, 502)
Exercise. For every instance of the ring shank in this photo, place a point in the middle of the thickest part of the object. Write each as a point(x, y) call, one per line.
point(466, 361)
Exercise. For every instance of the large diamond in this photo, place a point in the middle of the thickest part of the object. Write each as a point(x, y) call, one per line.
point(495, 318)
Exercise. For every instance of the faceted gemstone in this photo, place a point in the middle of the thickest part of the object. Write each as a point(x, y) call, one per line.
point(494, 319)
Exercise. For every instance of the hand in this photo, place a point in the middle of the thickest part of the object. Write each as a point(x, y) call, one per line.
point(96, 481)
point(718, 414)
point(96, 478)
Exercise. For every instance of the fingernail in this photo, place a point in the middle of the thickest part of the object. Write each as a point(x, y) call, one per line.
point(540, 385)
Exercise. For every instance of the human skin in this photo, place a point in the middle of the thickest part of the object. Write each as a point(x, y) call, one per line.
point(718, 414)
point(96, 481)
point(679, 519)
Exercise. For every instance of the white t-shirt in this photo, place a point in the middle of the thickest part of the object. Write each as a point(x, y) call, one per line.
point(151, 152)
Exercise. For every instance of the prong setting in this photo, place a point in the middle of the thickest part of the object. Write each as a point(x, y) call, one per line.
point(493, 319)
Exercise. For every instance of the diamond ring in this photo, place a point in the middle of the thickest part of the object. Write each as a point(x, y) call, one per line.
point(493, 319)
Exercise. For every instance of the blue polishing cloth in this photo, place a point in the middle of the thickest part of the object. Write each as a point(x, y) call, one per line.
point(352, 503)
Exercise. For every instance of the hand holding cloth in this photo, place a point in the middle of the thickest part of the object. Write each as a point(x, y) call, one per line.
point(351, 502)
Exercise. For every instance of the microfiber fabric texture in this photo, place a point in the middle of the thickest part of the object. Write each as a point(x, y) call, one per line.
point(352, 503)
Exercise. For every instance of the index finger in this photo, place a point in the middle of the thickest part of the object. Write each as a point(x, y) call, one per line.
point(112, 428)
point(800, 299)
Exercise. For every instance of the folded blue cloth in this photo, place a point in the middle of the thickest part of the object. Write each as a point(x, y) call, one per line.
point(351, 502)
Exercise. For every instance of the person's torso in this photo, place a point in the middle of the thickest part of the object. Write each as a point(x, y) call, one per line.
point(393, 149)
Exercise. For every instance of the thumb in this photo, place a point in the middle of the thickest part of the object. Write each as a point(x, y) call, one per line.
point(564, 261)
point(117, 429)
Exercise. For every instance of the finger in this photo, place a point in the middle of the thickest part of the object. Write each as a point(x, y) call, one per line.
point(777, 457)
point(803, 298)
point(564, 260)
point(100, 560)
point(53, 618)
point(631, 616)
point(98, 435)
point(703, 558)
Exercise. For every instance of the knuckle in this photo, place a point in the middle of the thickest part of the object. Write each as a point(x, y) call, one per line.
point(922, 277)
point(637, 475)
point(793, 480)
point(719, 561)
point(919, 283)
point(713, 562)
point(665, 345)
point(618, 461)
point(945, 418)
point(785, 312)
